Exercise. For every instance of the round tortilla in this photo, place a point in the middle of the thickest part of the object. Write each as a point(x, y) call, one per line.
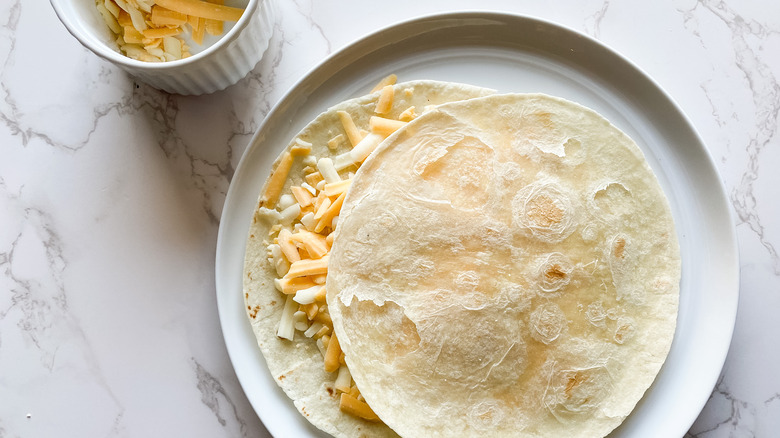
point(505, 266)
point(298, 366)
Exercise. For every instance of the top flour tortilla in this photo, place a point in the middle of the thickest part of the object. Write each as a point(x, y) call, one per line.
point(298, 366)
point(505, 266)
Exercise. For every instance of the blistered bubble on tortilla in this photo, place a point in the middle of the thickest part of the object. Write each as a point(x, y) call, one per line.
point(505, 264)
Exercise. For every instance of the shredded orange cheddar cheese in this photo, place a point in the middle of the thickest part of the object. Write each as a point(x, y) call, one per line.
point(356, 407)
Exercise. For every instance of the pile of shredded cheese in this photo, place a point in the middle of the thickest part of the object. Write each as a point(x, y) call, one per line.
point(149, 30)
point(302, 234)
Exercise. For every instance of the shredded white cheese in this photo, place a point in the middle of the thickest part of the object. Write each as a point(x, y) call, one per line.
point(306, 296)
point(285, 201)
point(289, 214)
point(308, 221)
point(308, 187)
point(313, 329)
point(280, 263)
point(325, 166)
point(287, 324)
point(301, 322)
point(343, 380)
point(359, 152)
point(268, 214)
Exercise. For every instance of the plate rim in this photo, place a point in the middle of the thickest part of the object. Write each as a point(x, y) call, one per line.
point(730, 239)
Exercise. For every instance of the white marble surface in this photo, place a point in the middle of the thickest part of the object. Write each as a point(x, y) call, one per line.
point(111, 193)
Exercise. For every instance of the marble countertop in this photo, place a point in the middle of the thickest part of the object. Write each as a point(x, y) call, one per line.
point(111, 194)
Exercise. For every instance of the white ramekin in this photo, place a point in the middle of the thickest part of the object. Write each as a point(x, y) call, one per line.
point(215, 68)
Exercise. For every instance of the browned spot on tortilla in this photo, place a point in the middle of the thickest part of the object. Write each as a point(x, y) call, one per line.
point(537, 124)
point(273, 303)
point(246, 295)
point(282, 377)
point(554, 272)
point(621, 332)
point(574, 381)
point(543, 211)
point(330, 391)
point(544, 119)
point(620, 247)
point(253, 311)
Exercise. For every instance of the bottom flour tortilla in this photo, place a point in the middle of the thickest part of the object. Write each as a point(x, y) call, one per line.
point(505, 266)
point(297, 366)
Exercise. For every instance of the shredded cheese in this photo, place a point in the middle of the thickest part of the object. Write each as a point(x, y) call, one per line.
point(280, 264)
point(387, 80)
point(289, 214)
point(308, 221)
point(314, 243)
point(313, 329)
point(385, 101)
point(288, 248)
point(302, 196)
point(334, 142)
point(301, 148)
point(359, 152)
point(276, 182)
point(321, 295)
point(408, 114)
point(292, 285)
point(267, 214)
point(329, 173)
point(202, 9)
point(287, 324)
point(332, 354)
point(215, 27)
point(343, 380)
point(313, 178)
point(300, 321)
point(311, 189)
point(353, 406)
point(111, 7)
point(165, 17)
point(310, 310)
point(324, 318)
point(303, 268)
point(141, 25)
point(383, 126)
point(286, 200)
point(322, 207)
point(337, 188)
point(321, 346)
point(109, 18)
point(330, 213)
point(348, 124)
point(160, 32)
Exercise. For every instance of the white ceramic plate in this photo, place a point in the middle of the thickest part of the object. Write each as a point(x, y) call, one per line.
point(513, 53)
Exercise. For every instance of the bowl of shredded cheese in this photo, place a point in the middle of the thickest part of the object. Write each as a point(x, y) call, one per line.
point(180, 46)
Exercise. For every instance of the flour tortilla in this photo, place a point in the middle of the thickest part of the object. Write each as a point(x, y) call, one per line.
point(298, 366)
point(505, 266)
